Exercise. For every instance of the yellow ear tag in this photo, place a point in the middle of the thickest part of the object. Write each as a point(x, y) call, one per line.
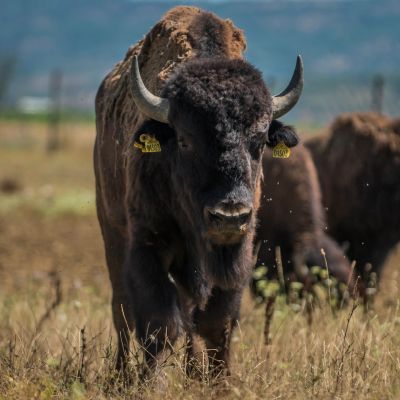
point(150, 144)
point(281, 151)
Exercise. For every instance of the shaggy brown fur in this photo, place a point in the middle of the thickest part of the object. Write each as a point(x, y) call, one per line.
point(358, 162)
point(291, 217)
point(174, 266)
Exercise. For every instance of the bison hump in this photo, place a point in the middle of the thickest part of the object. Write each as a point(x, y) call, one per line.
point(183, 32)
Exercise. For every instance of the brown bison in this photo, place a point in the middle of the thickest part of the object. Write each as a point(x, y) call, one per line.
point(291, 216)
point(358, 162)
point(178, 166)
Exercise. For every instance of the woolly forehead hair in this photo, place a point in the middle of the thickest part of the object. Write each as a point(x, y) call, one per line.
point(230, 92)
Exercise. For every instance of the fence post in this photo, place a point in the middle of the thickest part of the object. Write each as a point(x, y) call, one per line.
point(53, 139)
point(7, 70)
point(378, 84)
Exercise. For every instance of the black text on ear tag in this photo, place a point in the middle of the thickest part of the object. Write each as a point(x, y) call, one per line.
point(281, 151)
point(150, 144)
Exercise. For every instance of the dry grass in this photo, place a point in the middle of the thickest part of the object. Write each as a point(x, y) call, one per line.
point(56, 336)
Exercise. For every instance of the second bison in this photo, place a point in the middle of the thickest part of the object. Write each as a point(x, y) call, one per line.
point(292, 218)
point(358, 162)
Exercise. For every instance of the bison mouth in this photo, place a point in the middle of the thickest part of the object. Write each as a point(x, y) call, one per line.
point(225, 227)
point(224, 237)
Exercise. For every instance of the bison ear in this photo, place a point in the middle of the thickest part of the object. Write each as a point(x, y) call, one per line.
point(162, 132)
point(279, 132)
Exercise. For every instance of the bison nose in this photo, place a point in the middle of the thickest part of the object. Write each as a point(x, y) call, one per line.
point(236, 215)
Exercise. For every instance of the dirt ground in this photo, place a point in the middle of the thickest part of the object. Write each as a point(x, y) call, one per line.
point(56, 335)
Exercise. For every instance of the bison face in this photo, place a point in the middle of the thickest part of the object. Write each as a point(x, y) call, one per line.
point(220, 112)
point(219, 168)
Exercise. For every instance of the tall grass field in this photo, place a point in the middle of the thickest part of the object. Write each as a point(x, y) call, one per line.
point(56, 335)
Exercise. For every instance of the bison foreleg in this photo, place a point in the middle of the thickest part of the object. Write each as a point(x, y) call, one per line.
point(195, 365)
point(155, 303)
point(121, 308)
point(215, 324)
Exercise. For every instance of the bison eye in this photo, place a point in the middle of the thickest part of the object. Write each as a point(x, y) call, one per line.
point(256, 147)
point(183, 144)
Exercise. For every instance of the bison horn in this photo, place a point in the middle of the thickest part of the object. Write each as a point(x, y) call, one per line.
point(153, 106)
point(286, 100)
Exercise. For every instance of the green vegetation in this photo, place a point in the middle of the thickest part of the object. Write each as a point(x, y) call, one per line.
point(65, 116)
point(45, 202)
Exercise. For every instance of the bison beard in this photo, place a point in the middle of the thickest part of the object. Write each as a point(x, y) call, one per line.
point(178, 225)
point(358, 163)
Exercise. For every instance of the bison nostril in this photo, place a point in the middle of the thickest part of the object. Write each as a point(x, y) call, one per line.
point(215, 217)
point(244, 217)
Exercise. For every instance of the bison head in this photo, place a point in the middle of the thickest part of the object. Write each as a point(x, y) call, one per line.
point(218, 115)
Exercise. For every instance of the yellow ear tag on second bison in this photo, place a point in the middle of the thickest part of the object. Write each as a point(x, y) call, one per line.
point(150, 144)
point(281, 151)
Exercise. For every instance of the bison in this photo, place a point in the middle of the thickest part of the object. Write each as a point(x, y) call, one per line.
point(178, 166)
point(291, 216)
point(358, 163)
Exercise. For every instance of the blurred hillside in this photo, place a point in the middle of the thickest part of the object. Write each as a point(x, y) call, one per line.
point(343, 43)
